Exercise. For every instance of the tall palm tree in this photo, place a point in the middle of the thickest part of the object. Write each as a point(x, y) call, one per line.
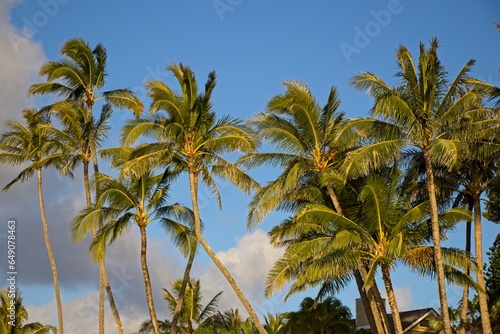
point(79, 77)
point(396, 230)
point(380, 228)
point(81, 134)
point(138, 200)
point(184, 239)
point(193, 312)
point(31, 144)
point(420, 112)
point(15, 323)
point(190, 137)
point(312, 143)
point(477, 171)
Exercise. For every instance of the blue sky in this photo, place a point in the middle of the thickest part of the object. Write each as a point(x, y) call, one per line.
point(253, 46)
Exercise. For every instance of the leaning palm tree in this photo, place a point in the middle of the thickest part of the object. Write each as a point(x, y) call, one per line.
point(79, 77)
point(421, 112)
point(187, 134)
point(311, 144)
point(15, 323)
point(31, 144)
point(139, 200)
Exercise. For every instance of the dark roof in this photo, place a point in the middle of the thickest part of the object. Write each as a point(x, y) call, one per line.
point(410, 318)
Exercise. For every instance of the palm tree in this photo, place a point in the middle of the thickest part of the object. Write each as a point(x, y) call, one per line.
point(135, 199)
point(381, 228)
point(476, 172)
point(13, 316)
point(420, 112)
point(81, 134)
point(312, 143)
point(31, 144)
point(79, 77)
point(193, 313)
point(397, 230)
point(192, 139)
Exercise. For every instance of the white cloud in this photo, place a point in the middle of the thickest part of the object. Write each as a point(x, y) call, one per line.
point(404, 298)
point(127, 283)
point(81, 315)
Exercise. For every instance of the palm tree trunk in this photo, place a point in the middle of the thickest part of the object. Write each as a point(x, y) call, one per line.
point(436, 238)
point(465, 296)
point(180, 298)
point(101, 298)
point(386, 276)
point(478, 251)
point(104, 273)
point(335, 200)
point(381, 307)
point(88, 198)
point(147, 280)
point(193, 185)
point(60, 328)
point(375, 325)
point(376, 303)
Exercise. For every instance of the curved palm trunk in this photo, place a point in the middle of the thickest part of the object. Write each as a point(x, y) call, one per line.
point(147, 280)
point(193, 185)
point(478, 250)
point(111, 300)
point(465, 296)
point(60, 328)
point(436, 238)
point(104, 274)
point(180, 298)
point(386, 276)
